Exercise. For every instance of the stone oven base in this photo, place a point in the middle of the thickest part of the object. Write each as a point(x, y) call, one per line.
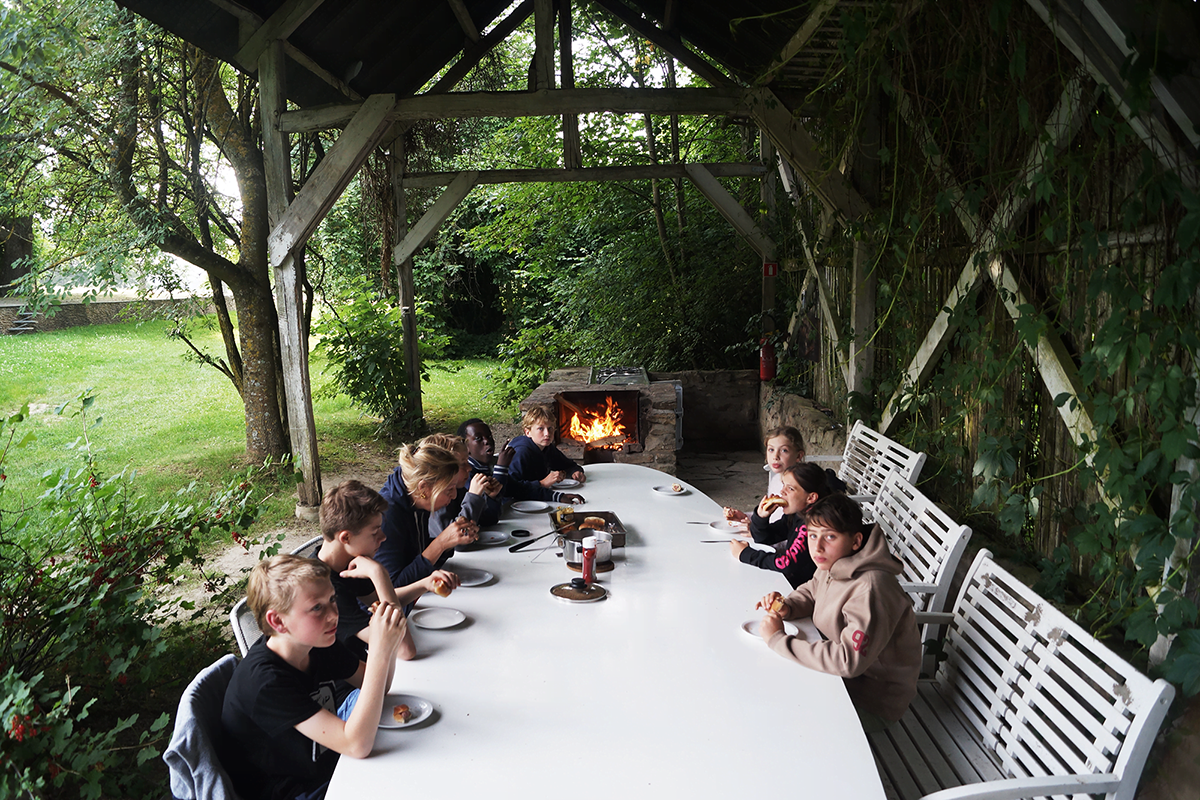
point(657, 410)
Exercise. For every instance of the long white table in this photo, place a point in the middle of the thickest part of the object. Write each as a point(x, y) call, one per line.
point(655, 691)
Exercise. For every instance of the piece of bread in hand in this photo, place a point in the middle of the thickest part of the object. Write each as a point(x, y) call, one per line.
point(778, 606)
point(441, 588)
point(772, 502)
point(402, 714)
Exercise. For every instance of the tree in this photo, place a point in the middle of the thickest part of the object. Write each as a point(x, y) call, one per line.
point(137, 125)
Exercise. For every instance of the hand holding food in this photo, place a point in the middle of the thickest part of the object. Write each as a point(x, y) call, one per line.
point(461, 531)
point(552, 478)
point(388, 626)
point(579, 476)
point(769, 626)
point(769, 601)
point(769, 503)
point(733, 515)
point(479, 483)
point(443, 582)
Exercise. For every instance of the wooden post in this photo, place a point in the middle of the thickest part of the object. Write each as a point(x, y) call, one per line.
point(289, 306)
point(866, 179)
point(543, 46)
point(572, 156)
point(766, 153)
point(397, 161)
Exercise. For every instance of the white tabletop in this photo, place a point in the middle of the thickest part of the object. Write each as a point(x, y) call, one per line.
point(655, 691)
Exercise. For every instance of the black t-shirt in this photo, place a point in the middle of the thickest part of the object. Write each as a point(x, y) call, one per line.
point(352, 617)
point(267, 697)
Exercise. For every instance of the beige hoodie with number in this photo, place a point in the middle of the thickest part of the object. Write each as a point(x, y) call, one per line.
point(869, 627)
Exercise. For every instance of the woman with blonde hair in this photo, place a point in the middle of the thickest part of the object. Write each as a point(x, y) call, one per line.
point(423, 482)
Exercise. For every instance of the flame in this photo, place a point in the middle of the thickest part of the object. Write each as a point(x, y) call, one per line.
point(598, 425)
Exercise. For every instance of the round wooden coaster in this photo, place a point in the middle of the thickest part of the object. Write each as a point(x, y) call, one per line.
point(601, 566)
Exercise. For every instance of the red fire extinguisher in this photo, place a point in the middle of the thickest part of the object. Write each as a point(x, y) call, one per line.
point(766, 360)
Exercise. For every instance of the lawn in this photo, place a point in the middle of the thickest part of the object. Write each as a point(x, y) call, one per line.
point(174, 420)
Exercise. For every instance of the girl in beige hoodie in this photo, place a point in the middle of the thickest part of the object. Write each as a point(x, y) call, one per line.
point(855, 601)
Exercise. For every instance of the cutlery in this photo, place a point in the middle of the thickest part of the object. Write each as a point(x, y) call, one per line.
point(527, 542)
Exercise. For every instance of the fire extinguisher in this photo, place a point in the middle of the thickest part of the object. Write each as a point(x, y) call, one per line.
point(766, 360)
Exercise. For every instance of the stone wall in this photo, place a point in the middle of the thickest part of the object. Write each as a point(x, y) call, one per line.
point(97, 312)
point(823, 436)
point(720, 408)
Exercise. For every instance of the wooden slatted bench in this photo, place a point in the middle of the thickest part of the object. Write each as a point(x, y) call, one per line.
point(867, 460)
point(1027, 704)
point(924, 538)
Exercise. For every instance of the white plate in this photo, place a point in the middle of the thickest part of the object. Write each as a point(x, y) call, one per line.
point(669, 490)
point(419, 706)
point(750, 626)
point(436, 618)
point(566, 483)
point(530, 506)
point(469, 576)
point(493, 537)
point(727, 526)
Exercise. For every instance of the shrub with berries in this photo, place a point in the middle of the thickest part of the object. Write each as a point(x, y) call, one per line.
point(90, 618)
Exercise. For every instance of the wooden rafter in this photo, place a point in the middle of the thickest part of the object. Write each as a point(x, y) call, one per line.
point(545, 103)
point(464, 19)
point(280, 25)
point(667, 41)
point(1055, 366)
point(425, 180)
point(428, 224)
point(799, 40)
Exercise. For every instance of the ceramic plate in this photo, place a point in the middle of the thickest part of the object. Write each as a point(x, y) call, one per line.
point(468, 576)
point(493, 537)
point(668, 490)
point(565, 483)
point(530, 506)
point(436, 618)
point(419, 706)
point(750, 626)
point(727, 526)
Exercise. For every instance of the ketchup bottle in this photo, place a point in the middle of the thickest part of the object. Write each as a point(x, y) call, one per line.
point(589, 559)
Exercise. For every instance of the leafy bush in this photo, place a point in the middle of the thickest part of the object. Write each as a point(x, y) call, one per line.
point(527, 359)
point(89, 623)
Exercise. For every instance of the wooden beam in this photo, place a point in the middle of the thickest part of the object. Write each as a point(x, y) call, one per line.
point(464, 19)
point(766, 198)
point(667, 41)
point(543, 44)
point(795, 144)
point(425, 180)
point(546, 103)
point(428, 224)
point(832, 326)
point(331, 176)
point(293, 346)
point(280, 25)
point(731, 210)
point(799, 40)
point(572, 154)
point(1064, 122)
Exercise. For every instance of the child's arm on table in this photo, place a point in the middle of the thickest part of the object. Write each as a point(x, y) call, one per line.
point(365, 567)
point(796, 605)
point(869, 622)
point(356, 736)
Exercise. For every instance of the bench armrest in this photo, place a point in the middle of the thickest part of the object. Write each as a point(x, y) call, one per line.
point(922, 588)
point(934, 617)
point(1041, 786)
point(823, 459)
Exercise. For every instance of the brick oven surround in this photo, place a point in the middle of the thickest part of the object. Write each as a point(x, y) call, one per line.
point(657, 418)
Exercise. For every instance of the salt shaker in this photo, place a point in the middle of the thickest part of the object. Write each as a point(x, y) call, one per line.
point(589, 559)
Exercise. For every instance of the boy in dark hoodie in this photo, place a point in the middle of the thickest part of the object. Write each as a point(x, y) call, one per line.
point(857, 604)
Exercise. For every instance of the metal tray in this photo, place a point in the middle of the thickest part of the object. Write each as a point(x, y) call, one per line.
point(618, 530)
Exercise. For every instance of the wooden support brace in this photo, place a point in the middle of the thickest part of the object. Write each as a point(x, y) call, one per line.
point(425, 180)
point(543, 44)
point(667, 41)
point(464, 19)
point(428, 224)
point(331, 176)
point(280, 25)
point(731, 210)
point(799, 40)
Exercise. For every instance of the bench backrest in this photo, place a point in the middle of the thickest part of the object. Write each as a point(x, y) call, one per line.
point(1044, 695)
point(924, 538)
point(870, 457)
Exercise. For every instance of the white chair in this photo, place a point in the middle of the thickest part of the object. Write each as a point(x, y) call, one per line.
point(309, 549)
point(191, 758)
point(245, 627)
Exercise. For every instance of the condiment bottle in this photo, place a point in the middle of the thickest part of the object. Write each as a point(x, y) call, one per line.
point(589, 558)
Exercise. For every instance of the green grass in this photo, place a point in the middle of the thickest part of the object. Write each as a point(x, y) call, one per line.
point(174, 421)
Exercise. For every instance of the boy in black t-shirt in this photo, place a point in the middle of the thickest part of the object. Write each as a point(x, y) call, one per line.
point(282, 729)
point(352, 525)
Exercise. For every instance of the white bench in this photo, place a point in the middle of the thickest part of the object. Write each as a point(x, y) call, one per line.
point(1027, 704)
point(924, 538)
point(867, 460)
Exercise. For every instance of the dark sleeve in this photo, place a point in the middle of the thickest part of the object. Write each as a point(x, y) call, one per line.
point(517, 489)
point(401, 552)
point(758, 558)
point(763, 531)
point(558, 460)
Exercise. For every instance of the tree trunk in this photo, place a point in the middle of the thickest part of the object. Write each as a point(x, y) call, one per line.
point(265, 435)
